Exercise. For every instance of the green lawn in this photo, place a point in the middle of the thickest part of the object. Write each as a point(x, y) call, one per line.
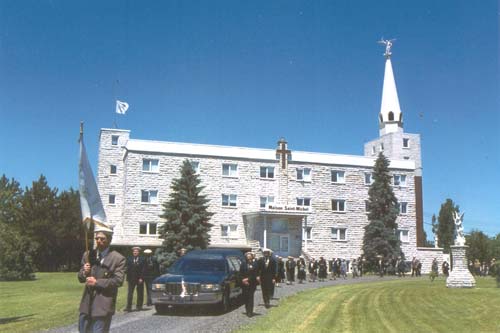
point(52, 300)
point(390, 306)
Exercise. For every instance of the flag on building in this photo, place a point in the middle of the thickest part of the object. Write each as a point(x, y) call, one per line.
point(90, 200)
point(121, 107)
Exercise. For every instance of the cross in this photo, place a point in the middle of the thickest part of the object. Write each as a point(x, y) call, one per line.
point(283, 152)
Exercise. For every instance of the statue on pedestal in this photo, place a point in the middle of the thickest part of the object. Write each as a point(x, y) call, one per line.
point(459, 238)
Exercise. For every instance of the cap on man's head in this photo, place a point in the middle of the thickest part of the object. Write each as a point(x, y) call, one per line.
point(148, 251)
point(265, 249)
point(136, 248)
point(102, 228)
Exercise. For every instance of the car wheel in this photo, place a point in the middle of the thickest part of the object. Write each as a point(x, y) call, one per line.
point(161, 308)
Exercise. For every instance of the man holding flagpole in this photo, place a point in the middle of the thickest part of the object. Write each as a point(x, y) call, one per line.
point(102, 270)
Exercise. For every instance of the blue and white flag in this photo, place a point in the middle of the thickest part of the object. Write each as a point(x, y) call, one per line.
point(121, 107)
point(90, 200)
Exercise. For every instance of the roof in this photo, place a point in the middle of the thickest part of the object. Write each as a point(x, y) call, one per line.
point(232, 152)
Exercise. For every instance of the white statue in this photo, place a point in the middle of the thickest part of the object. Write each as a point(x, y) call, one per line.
point(460, 237)
point(388, 45)
point(436, 240)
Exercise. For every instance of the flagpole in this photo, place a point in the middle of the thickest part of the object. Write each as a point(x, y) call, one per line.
point(84, 227)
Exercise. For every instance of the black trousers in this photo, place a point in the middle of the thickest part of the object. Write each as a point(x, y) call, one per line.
point(248, 296)
point(148, 284)
point(140, 294)
point(267, 287)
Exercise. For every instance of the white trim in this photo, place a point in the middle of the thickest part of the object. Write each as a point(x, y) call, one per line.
point(257, 154)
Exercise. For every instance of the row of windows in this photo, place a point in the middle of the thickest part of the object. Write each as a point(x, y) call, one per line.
point(231, 200)
point(231, 231)
point(341, 233)
point(267, 172)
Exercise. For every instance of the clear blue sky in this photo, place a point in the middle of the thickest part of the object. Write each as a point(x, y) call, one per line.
point(246, 73)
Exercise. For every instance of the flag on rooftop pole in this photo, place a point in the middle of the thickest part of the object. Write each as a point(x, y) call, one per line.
point(90, 200)
point(121, 107)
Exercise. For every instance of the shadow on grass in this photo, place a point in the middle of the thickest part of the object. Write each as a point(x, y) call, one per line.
point(14, 319)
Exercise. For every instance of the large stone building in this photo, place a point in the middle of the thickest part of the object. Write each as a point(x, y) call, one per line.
point(293, 202)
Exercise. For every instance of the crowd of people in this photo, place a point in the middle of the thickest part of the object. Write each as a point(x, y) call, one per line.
point(103, 271)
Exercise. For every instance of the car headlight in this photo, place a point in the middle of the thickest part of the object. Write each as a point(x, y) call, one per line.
point(209, 287)
point(158, 286)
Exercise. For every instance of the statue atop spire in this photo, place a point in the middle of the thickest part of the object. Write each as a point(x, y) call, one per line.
point(388, 45)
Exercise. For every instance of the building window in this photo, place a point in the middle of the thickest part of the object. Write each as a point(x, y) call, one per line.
point(112, 169)
point(228, 230)
point(114, 140)
point(267, 172)
point(391, 116)
point(406, 157)
point(338, 205)
point(381, 146)
point(149, 196)
point(306, 202)
point(148, 228)
point(111, 199)
point(406, 143)
point(399, 180)
point(402, 207)
point(404, 236)
point(304, 174)
point(229, 200)
point(150, 165)
point(264, 201)
point(230, 170)
point(196, 166)
point(374, 150)
point(367, 206)
point(307, 233)
point(338, 176)
point(339, 233)
point(368, 178)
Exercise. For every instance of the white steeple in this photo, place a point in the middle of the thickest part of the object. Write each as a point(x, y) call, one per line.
point(390, 117)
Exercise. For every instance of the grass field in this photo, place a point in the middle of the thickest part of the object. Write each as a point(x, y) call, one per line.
point(51, 300)
point(390, 306)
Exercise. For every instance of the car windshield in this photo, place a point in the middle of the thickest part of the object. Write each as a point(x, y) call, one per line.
point(198, 265)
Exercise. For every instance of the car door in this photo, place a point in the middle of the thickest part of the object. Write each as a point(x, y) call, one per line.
point(234, 269)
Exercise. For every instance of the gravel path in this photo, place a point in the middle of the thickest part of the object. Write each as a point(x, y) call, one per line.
point(206, 319)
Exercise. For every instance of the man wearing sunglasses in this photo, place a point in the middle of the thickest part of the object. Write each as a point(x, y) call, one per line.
point(102, 272)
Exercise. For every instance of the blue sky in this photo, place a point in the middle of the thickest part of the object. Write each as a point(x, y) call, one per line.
point(246, 73)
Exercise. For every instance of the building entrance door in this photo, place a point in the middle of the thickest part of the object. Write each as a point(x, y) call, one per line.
point(279, 244)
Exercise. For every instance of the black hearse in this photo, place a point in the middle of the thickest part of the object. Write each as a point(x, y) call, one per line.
point(208, 276)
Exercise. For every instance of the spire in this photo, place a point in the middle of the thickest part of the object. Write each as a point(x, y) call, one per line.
point(390, 117)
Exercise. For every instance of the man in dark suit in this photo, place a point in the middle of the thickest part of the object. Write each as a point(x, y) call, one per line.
point(135, 278)
point(248, 275)
point(151, 271)
point(267, 269)
point(102, 271)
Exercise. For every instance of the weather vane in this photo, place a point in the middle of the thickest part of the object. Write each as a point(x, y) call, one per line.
point(388, 45)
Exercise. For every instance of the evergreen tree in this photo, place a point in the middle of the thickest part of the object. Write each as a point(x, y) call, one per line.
point(446, 225)
point(16, 261)
point(186, 217)
point(381, 237)
point(39, 219)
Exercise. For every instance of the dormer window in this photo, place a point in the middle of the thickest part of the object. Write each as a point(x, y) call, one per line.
point(391, 116)
point(114, 140)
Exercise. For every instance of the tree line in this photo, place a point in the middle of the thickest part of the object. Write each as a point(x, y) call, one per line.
point(40, 229)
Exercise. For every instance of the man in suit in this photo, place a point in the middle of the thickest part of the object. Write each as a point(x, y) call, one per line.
point(150, 272)
point(267, 269)
point(102, 271)
point(248, 275)
point(135, 278)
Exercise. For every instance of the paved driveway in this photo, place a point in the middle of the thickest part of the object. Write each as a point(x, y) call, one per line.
point(207, 319)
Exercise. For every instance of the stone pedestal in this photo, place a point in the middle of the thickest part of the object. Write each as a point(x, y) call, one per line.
point(460, 277)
